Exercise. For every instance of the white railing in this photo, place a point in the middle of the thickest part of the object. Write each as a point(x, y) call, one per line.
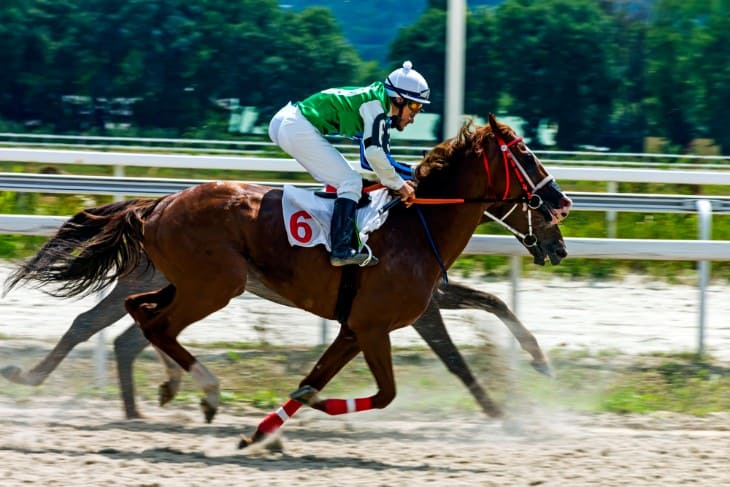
point(702, 250)
point(245, 163)
point(408, 151)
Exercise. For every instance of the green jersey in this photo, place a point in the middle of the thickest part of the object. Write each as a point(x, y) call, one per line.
point(337, 110)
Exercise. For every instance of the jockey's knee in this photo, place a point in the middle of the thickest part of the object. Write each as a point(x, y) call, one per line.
point(275, 124)
point(351, 188)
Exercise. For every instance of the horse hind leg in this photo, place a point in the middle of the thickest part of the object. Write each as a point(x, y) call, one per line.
point(85, 325)
point(169, 389)
point(163, 314)
point(457, 296)
point(432, 329)
point(126, 348)
point(146, 306)
point(131, 342)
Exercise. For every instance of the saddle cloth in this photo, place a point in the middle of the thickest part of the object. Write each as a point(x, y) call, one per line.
point(307, 216)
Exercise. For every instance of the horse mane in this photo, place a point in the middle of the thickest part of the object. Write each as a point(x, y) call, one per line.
point(444, 159)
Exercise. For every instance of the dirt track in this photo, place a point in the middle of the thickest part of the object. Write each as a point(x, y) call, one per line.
point(66, 442)
point(69, 441)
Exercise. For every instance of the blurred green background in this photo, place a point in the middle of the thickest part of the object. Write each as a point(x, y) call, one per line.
point(626, 75)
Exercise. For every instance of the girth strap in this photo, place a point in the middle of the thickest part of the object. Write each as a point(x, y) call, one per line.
point(346, 293)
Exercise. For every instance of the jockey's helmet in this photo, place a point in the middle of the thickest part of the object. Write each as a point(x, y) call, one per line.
point(407, 83)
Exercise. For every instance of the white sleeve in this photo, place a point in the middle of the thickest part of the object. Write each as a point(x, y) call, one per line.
point(376, 139)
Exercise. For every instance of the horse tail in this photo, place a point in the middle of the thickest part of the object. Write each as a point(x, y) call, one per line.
point(89, 251)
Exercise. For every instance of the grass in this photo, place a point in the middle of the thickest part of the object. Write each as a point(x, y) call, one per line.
point(262, 376)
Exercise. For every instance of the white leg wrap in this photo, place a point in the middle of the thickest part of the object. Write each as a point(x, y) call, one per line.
point(207, 382)
point(282, 414)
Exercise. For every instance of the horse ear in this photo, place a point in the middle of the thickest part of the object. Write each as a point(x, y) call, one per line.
point(494, 125)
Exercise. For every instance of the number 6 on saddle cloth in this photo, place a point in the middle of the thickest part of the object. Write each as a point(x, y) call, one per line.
point(307, 217)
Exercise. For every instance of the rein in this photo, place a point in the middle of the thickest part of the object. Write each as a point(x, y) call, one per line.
point(531, 199)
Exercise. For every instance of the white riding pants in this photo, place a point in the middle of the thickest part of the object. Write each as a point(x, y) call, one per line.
point(296, 135)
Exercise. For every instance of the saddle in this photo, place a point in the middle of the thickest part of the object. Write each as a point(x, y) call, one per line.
point(307, 215)
point(330, 193)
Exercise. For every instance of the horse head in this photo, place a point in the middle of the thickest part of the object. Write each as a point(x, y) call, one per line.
point(491, 165)
point(534, 221)
point(533, 180)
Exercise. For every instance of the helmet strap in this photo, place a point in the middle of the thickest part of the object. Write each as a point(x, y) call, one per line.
point(400, 106)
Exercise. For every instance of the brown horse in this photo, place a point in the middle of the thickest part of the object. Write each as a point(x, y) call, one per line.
point(206, 240)
point(544, 241)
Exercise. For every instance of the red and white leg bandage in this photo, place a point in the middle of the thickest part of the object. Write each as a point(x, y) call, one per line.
point(275, 420)
point(342, 406)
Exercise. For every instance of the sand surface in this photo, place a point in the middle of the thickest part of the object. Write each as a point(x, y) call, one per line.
point(56, 442)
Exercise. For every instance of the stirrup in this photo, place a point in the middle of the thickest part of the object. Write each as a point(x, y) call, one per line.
point(353, 258)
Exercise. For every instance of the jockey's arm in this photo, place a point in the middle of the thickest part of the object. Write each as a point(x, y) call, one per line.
point(376, 140)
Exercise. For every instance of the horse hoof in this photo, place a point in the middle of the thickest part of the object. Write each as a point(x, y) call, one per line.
point(275, 445)
point(244, 442)
point(165, 393)
point(134, 414)
point(208, 410)
point(12, 373)
point(306, 395)
point(15, 375)
point(269, 442)
point(543, 367)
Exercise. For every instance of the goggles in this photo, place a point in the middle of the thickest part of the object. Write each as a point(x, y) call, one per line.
point(414, 106)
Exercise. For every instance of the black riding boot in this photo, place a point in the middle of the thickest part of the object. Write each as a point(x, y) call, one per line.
point(342, 232)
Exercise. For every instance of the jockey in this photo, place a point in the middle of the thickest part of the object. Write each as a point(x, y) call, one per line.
point(299, 129)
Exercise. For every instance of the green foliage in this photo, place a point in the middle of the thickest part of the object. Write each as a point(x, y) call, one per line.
point(677, 385)
point(562, 61)
point(612, 382)
point(608, 73)
point(266, 399)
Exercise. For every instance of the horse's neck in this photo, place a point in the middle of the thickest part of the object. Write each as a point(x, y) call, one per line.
point(451, 227)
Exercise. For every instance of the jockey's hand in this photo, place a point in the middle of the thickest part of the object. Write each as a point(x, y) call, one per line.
point(407, 193)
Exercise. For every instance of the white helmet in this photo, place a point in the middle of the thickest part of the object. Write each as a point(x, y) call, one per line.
point(407, 83)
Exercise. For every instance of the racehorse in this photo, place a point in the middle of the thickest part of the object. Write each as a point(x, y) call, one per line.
point(544, 241)
point(208, 239)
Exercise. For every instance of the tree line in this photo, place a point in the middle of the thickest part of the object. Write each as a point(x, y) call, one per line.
point(606, 72)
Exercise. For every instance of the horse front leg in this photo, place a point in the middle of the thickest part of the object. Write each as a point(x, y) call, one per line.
point(377, 352)
point(457, 296)
point(432, 329)
point(343, 349)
